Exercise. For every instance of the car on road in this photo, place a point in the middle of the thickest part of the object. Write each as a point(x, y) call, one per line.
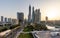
point(55, 33)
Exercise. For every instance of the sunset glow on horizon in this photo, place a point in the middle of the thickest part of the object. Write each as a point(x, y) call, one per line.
point(52, 14)
point(49, 8)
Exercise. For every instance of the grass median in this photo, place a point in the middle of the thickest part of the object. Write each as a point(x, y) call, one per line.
point(25, 35)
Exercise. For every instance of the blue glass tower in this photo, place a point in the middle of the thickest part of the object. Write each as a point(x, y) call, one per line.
point(33, 15)
point(29, 15)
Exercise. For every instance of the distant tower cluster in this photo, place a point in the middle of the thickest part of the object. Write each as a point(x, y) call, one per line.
point(8, 21)
point(36, 15)
point(5, 19)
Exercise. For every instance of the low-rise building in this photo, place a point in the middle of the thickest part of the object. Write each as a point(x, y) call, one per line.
point(14, 21)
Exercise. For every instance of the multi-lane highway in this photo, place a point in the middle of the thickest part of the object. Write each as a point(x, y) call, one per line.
point(14, 33)
point(10, 33)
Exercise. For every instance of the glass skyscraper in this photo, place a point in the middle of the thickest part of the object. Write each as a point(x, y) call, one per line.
point(33, 15)
point(20, 17)
point(29, 15)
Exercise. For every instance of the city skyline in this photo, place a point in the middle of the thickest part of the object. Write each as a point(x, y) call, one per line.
point(49, 8)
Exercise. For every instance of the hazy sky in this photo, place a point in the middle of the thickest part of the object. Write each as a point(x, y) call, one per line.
point(50, 8)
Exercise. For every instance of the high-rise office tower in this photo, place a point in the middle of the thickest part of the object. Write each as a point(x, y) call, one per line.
point(29, 15)
point(46, 20)
point(9, 20)
point(37, 16)
point(20, 17)
point(5, 19)
point(2, 18)
point(33, 15)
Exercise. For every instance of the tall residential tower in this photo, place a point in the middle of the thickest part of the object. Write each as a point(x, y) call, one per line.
point(37, 16)
point(33, 15)
point(20, 17)
point(29, 15)
point(2, 18)
point(5, 19)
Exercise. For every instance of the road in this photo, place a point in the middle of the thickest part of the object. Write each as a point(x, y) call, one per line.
point(56, 37)
point(11, 33)
point(18, 33)
point(45, 34)
point(14, 33)
point(5, 33)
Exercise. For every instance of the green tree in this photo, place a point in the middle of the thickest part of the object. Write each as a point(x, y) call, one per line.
point(40, 27)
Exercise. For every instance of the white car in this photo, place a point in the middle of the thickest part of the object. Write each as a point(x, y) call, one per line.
point(55, 33)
